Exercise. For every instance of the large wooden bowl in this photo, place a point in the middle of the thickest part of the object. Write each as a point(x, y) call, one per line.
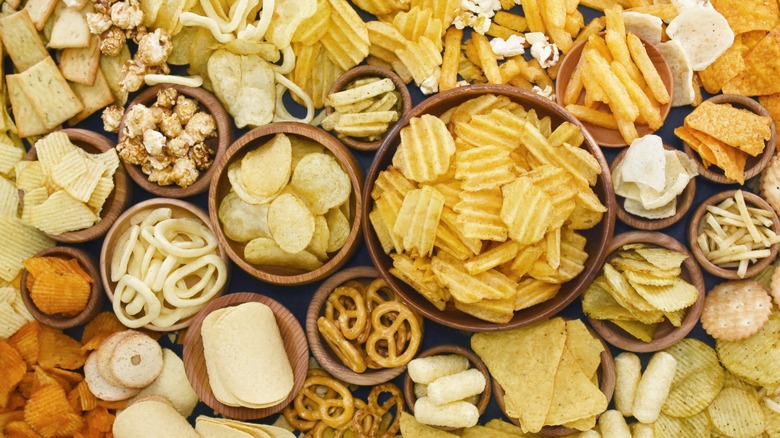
point(96, 298)
point(598, 237)
point(115, 203)
point(180, 209)
point(220, 187)
point(666, 334)
point(219, 144)
point(753, 165)
point(294, 344)
point(606, 137)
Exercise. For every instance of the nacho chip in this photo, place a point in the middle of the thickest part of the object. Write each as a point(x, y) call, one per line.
point(736, 127)
point(761, 66)
point(748, 15)
point(727, 66)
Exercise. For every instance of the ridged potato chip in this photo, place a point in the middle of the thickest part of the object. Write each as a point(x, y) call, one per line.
point(347, 37)
point(526, 210)
point(736, 413)
point(49, 413)
point(426, 149)
point(751, 359)
point(419, 275)
point(484, 167)
point(479, 213)
point(320, 180)
point(418, 219)
point(467, 288)
point(59, 350)
point(12, 370)
point(25, 341)
point(61, 213)
point(60, 293)
point(697, 381)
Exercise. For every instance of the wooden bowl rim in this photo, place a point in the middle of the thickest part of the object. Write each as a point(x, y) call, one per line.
point(470, 323)
point(370, 70)
point(348, 163)
point(690, 271)
point(224, 139)
point(475, 361)
point(320, 350)
point(693, 233)
point(94, 304)
point(764, 158)
point(191, 210)
point(573, 58)
point(684, 202)
point(119, 196)
point(606, 373)
point(193, 351)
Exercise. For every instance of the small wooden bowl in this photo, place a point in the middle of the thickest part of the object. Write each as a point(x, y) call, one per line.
point(115, 203)
point(96, 299)
point(370, 70)
point(322, 352)
point(220, 187)
point(754, 165)
point(180, 209)
point(597, 238)
point(696, 222)
point(684, 202)
point(666, 334)
point(475, 361)
point(206, 102)
point(606, 137)
point(606, 373)
point(195, 362)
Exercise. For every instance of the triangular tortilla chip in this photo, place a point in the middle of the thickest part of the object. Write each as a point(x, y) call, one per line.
point(730, 159)
point(737, 127)
point(686, 135)
point(583, 346)
point(748, 15)
point(728, 65)
point(575, 397)
point(762, 67)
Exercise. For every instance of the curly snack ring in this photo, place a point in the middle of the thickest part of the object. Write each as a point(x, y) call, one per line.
point(131, 285)
point(387, 333)
point(334, 412)
point(347, 352)
point(166, 231)
point(178, 294)
point(345, 306)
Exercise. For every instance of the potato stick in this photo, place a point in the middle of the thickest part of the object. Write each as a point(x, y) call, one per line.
point(561, 38)
point(646, 109)
point(574, 87)
point(645, 65)
point(522, 83)
point(627, 129)
point(588, 115)
point(703, 243)
point(640, 3)
point(746, 216)
point(628, 372)
point(533, 16)
point(356, 107)
point(384, 104)
point(368, 118)
point(760, 212)
point(735, 249)
point(599, 5)
point(553, 13)
point(614, 17)
point(619, 50)
point(735, 237)
point(362, 130)
point(742, 269)
point(514, 66)
point(510, 21)
point(450, 59)
point(574, 22)
point(613, 425)
point(571, 5)
point(595, 26)
point(755, 254)
point(593, 91)
point(499, 31)
point(596, 42)
point(619, 101)
point(355, 94)
point(726, 203)
point(654, 387)
point(539, 74)
point(487, 58)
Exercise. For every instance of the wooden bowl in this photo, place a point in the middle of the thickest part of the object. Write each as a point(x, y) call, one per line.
point(684, 202)
point(322, 352)
point(597, 237)
point(220, 187)
point(206, 102)
point(666, 334)
point(606, 137)
point(294, 344)
point(730, 273)
point(115, 203)
point(475, 361)
point(376, 71)
point(94, 304)
point(606, 374)
point(181, 209)
point(754, 165)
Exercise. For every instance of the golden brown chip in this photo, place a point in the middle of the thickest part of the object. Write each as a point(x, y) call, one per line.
point(12, 370)
point(98, 329)
point(49, 413)
point(60, 293)
point(59, 350)
point(25, 341)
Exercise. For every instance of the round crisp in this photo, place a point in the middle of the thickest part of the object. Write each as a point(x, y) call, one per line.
point(266, 170)
point(755, 358)
point(241, 221)
point(320, 180)
point(291, 223)
point(136, 361)
point(735, 310)
point(697, 380)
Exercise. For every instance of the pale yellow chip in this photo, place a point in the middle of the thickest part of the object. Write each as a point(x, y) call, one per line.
point(347, 37)
point(33, 198)
point(418, 219)
point(526, 210)
point(668, 298)
point(751, 359)
point(321, 181)
point(466, 288)
point(735, 412)
point(426, 149)
point(78, 174)
point(100, 194)
point(30, 177)
point(51, 149)
point(20, 242)
point(263, 251)
point(266, 170)
point(61, 213)
point(338, 229)
point(697, 380)
point(479, 213)
point(9, 156)
point(9, 198)
point(291, 223)
point(485, 167)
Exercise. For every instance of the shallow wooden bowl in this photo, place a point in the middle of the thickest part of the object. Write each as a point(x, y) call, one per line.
point(180, 209)
point(666, 334)
point(684, 202)
point(96, 298)
point(605, 137)
point(294, 344)
point(220, 187)
point(115, 203)
point(376, 71)
point(696, 223)
point(320, 349)
point(754, 165)
point(606, 373)
point(475, 361)
point(219, 144)
point(597, 238)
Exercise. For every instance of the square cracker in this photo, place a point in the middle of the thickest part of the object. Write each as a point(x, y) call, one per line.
point(40, 10)
point(81, 64)
point(70, 30)
point(21, 40)
point(49, 93)
point(94, 98)
point(28, 123)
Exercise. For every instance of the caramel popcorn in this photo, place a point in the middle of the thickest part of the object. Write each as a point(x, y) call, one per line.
point(116, 22)
point(112, 118)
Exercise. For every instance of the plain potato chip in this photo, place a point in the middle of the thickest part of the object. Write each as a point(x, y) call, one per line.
point(241, 221)
point(291, 224)
point(338, 229)
point(266, 170)
point(319, 240)
point(263, 251)
point(321, 181)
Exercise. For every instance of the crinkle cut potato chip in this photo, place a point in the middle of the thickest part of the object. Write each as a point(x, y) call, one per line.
point(697, 380)
point(751, 359)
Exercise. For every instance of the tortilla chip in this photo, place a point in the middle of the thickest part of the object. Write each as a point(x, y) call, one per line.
point(574, 396)
point(762, 67)
point(583, 347)
point(733, 126)
point(772, 105)
point(728, 65)
point(748, 15)
point(730, 159)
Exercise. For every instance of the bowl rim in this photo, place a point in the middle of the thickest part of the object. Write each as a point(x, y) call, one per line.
point(618, 337)
point(194, 341)
point(347, 162)
point(474, 324)
point(192, 211)
point(120, 195)
point(223, 140)
point(693, 234)
point(322, 352)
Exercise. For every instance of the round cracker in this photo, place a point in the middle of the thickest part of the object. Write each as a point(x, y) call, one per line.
point(102, 388)
point(320, 179)
point(106, 350)
point(292, 225)
point(735, 310)
point(697, 380)
point(136, 361)
point(754, 359)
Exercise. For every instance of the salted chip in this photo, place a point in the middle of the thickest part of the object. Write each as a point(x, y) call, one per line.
point(49, 413)
point(103, 325)
point(668, 298)
point(643, 332)
point(575, 396)
point(736, 127)
point(263, 251)
point(60, 293)
point(466, 288)
point(291, 224)
point(9, 198)
point(321, 181)
point(526, 210)
point(20, 242)
point(242, 221)
point(703, 33)
point(736, 412)
point(59, 350)
point(636, 208)
point(25, 341)
point(266, 170)
point(761, 61)
point(671, 427)
point(662, 258)
point(9, 156)
point(697, 380)
point(12, 370)
point(682, 72)
point(644, 162)
point(646, 26)
point(245, 85)
point(583, 346)
point(418, 219)
point(751, 359)
point(748, 15)
point(61, 213)
point(597, 303)
point(302, 146)
point(426, 149)
point(338, 230)
point(727, 66)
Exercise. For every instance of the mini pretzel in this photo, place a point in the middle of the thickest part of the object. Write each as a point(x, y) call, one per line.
point(346, 351)
point(346, 306)
point(334, 412)
point(367, 420)
point(377, 292)
point(292, 417)
point(322, 430)
point(386, 334)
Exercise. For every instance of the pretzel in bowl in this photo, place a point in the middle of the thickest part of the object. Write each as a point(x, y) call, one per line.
point(325, 399)
point(346, 351)
point(346, 306)
point(401, 337)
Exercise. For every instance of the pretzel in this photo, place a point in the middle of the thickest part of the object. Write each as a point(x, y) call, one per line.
point(345, 305)
point(322, 430)
point(347, 352)
point(377, 292)
point(334, 412)
point(292, 417)
point(367, 421)
point(392, 333)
